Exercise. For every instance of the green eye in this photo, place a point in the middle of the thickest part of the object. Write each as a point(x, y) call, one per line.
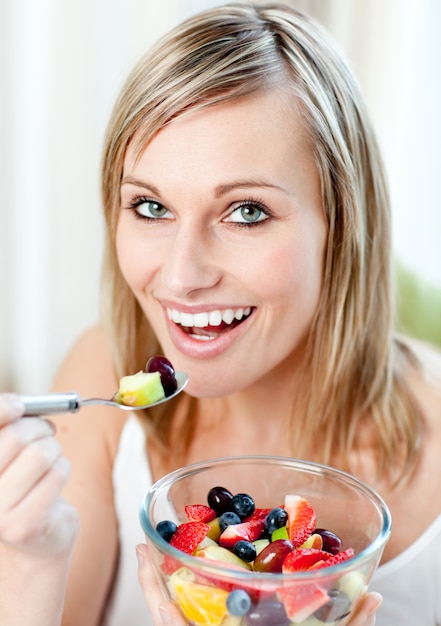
point(151, 209)
point(248, 213)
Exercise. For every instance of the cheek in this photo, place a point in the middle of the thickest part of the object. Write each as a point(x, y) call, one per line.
point(132, 259)
point(291, 275)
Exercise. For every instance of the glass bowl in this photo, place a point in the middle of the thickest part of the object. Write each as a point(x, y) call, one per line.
point(214, 592)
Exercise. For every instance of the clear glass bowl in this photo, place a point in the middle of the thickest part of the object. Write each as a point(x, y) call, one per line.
point(200, 587)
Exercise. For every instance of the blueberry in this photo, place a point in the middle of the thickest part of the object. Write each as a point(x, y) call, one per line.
point(166, 529)
point(219, 499)
point(243, 505)
point(277, 518)
point(245, 550)
point(227, 519)
point(238, 602)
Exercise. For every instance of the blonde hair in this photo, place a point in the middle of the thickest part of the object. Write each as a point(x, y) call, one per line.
point(351, 372)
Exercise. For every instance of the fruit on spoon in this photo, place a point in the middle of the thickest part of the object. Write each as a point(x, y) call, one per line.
point(140, 389)
point(161, 364)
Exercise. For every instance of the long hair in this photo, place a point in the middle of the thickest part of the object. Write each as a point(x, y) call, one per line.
point(351, 375)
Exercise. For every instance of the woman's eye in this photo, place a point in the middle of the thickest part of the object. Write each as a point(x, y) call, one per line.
point(150, 209)
point(248, 213)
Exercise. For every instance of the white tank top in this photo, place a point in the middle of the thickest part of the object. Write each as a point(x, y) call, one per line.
point(131, 481)
point(410, 583)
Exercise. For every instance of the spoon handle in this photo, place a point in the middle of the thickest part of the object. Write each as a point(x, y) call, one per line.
point(51, 403)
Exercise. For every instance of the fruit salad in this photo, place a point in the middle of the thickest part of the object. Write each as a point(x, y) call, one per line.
point(231, 531)
point(155, 382)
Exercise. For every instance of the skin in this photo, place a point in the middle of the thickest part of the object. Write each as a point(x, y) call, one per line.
point(37, 527)
point(193, 257)
point(202, 252)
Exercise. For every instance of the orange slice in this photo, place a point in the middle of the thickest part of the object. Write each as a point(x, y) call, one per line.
point(202, 605)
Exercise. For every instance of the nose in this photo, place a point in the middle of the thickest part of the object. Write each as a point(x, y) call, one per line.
point(189, 263)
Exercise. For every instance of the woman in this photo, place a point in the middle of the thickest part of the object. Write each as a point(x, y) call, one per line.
point(248, 240)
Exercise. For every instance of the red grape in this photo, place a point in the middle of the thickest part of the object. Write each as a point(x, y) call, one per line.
point(166, 370)
point(271, 558)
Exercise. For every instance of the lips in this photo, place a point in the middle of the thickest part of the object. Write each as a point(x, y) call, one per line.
point(206, 325)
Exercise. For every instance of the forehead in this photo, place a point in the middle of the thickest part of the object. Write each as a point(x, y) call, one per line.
point(267, 123)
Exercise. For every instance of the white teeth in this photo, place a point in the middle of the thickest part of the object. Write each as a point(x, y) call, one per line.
point(200, 320)
point(228, 316)
point(239, 314)
point(215, 318)
point(203, 337)
point(186, 319)
point(209, 318)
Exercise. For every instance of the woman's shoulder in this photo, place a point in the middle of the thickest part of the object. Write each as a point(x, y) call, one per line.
point(426, 359)
point(424, 380)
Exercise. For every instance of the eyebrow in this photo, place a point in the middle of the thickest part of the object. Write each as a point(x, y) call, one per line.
point(219, 190)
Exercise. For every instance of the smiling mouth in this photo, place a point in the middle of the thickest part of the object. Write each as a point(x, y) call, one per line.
point(208, 325)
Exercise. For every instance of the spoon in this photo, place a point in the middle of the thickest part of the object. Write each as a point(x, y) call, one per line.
point(54, 403)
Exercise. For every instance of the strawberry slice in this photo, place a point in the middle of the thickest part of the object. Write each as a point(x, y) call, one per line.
point(186, 538)
point(301, 518)
point(189, 535)
point(303, 559)
point(335, 559)
point(301, 600)
point(200, 513)
point(247, 531)
point(258, 514)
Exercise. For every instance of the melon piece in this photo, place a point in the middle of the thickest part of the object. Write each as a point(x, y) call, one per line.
point(140, 389)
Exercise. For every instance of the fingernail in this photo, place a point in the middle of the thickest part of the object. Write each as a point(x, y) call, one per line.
point(165, 615)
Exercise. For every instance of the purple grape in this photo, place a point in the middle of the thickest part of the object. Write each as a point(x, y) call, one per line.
point(219, 499)
point(331, 543)
point(166, 370)
point(269, 613)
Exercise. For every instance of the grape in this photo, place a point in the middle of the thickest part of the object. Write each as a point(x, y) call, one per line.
point(243, 505)
point(339, 606)
point(331, 543)
point(269, 613)
point(219, 499)
point(166, 529)
point(271, 558)
point(166, 370)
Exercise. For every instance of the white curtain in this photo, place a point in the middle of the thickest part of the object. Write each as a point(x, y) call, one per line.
point(61, 65)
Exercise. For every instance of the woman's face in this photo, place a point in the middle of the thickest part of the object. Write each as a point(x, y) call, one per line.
point(221, 237)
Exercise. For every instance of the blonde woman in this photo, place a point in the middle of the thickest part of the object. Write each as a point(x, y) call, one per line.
point(248, 240)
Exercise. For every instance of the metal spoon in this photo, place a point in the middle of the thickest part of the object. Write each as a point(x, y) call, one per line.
point(54, 403)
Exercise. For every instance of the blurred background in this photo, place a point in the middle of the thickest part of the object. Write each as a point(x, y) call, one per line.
point(62, 63)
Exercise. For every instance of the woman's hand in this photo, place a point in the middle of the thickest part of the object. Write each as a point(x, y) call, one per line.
point(164, 612)
point(33, 518)
point(161, 611)
point(365, 612)
point(37, 528)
